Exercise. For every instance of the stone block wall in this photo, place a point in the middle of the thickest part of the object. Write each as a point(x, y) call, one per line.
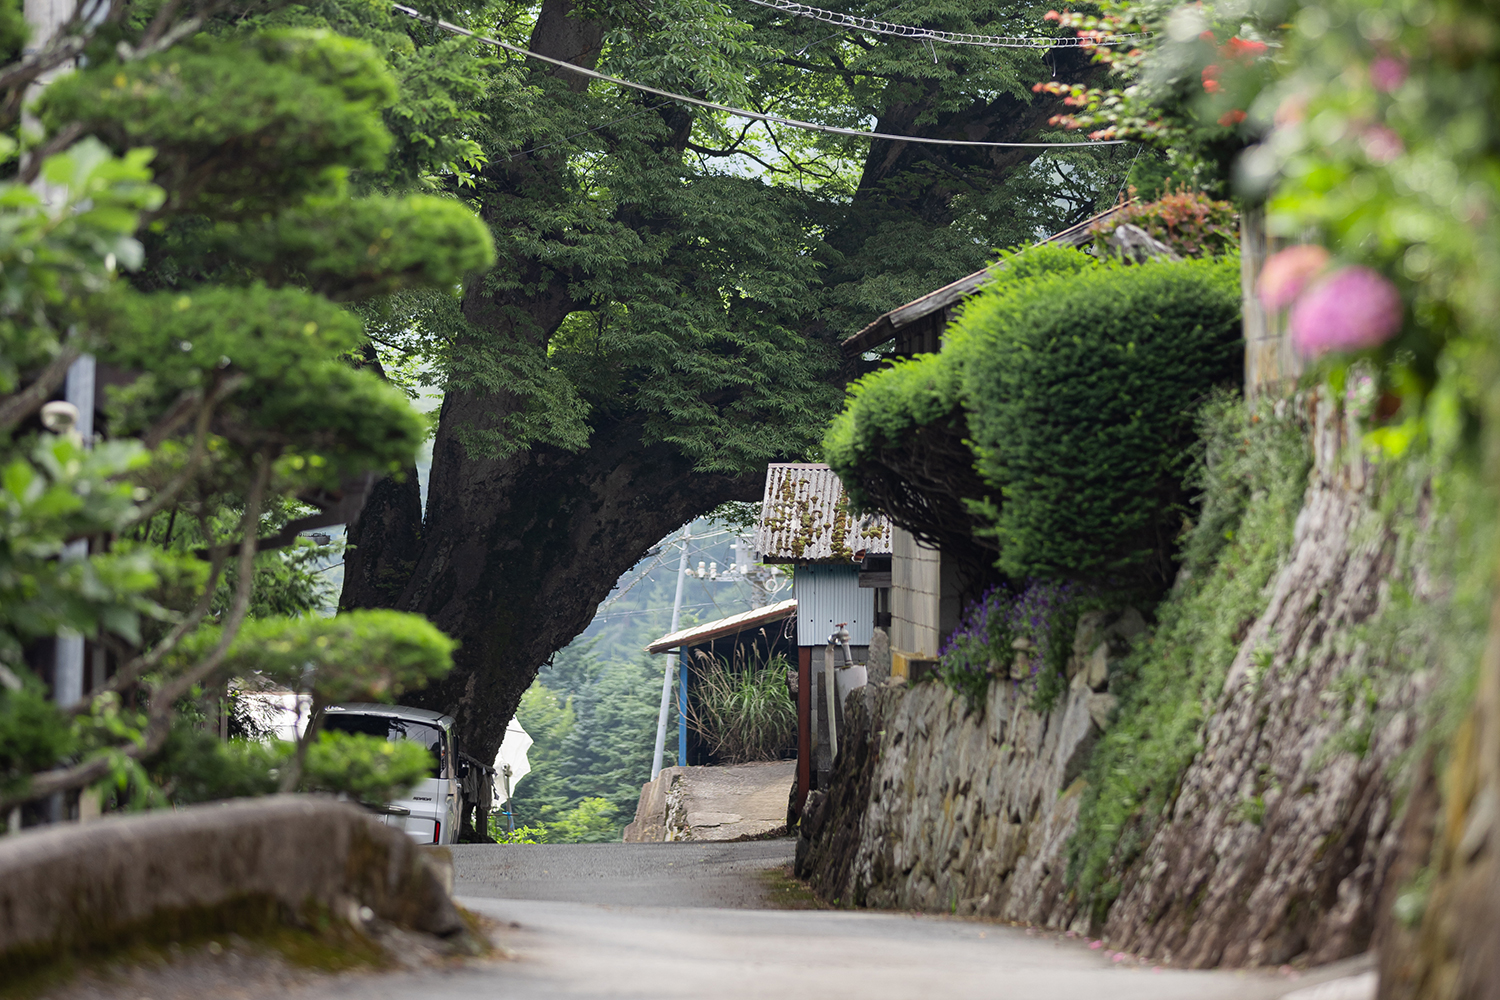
point(935, 807)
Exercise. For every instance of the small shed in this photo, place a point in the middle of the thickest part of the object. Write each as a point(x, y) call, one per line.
point(917, 327)
point(805, 522)
point(730, 632)
point(760, 634)
point(842, 573)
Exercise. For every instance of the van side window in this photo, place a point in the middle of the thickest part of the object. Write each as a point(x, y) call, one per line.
point(390, 728)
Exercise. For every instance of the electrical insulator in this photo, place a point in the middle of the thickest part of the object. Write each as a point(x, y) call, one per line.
point(713, 571)
point(702, 574)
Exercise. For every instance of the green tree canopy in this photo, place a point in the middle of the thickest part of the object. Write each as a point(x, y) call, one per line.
point(672, 287)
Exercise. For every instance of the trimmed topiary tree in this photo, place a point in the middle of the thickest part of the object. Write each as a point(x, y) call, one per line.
point(901, 444)
point(1051, 433)
point(1080, 391)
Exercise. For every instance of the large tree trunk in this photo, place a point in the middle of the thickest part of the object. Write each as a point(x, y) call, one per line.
point(519, 552)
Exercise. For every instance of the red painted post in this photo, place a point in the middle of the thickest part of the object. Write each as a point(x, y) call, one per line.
point(804, 724)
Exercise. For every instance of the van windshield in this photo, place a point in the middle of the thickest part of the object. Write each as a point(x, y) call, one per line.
point(391, 728)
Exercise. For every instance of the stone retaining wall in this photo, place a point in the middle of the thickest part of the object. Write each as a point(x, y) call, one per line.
point(718, 802)
point(1281, 839)
point(937, 808)
point(1283, 832)
point(932, 808)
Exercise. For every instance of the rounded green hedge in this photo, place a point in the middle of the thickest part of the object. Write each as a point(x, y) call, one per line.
point(1080, 391)
point(901, 444)
point(1053, 428)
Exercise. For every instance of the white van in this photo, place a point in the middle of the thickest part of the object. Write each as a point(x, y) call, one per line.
point(430, 812)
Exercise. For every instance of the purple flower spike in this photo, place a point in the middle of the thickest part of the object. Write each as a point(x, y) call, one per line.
point(1353, 309)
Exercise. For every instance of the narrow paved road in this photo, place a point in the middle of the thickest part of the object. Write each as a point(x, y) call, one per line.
point(664, 921)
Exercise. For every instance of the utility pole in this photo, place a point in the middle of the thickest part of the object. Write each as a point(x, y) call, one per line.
point(46, 18)
point(666, 678)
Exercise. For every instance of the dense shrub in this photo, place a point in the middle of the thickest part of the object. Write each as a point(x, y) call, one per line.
point(900, 446)
point(1080, 391)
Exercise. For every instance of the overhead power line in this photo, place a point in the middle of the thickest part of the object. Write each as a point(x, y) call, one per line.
point(876, 27)
point(738, 112)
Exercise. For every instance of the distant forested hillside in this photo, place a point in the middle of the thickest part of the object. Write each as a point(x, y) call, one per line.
point(593, 710)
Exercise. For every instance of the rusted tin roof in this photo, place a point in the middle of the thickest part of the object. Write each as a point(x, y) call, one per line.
point(734, 624)
point(805, 518)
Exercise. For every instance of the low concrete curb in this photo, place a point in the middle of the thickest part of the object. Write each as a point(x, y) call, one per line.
point(245, 865)
point(723, 802)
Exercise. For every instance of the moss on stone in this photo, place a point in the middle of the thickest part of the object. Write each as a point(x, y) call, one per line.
point(1253, 473)
point(314, 939)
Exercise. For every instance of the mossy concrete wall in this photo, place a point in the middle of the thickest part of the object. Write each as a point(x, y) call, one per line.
point(69, 890)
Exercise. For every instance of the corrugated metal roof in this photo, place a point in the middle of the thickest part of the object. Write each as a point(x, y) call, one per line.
point(724, 626)
point(805, 518)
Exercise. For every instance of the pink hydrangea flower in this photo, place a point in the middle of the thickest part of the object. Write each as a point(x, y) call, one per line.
point(1382, 144)
point(1287, 272)
point(1387, 73)
point(1351, 309)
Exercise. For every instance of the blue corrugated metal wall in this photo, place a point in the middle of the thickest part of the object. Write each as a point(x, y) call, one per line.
point(827, 595)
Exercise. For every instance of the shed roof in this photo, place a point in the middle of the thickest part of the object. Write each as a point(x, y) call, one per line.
point(885, 327)
point(394, 711)
point(805, 517)
point(741, 622)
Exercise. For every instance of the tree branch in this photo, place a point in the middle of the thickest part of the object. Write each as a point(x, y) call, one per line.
point(293, 772)
point(244, 586)
point(23, 404)
point(195, 457)
point(838, 69)
point(65, 137)
point(146, 662)
point(731, 151)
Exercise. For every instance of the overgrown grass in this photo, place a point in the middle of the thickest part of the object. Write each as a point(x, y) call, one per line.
point(742, 710)
point(1252, 473)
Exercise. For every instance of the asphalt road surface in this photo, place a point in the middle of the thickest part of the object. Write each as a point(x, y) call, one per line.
point(681, 874)
point(663, 921)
